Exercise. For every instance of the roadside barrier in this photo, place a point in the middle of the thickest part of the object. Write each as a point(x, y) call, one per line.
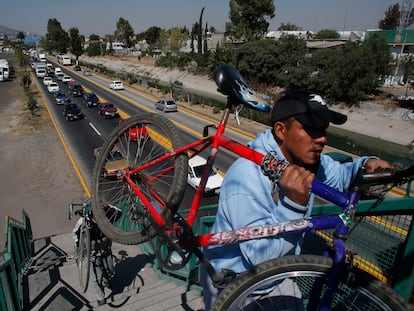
point(14, 261)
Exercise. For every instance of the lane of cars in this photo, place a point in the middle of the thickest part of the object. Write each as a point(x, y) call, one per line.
point(71, 95)
point(71, 110)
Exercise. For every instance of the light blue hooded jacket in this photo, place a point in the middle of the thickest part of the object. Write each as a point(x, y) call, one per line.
point(246, 199)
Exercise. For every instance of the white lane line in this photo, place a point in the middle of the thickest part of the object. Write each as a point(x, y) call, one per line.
point(95, 129)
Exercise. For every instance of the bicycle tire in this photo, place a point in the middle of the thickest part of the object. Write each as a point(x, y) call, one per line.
point(128, 222)
point(83, 258)
point(365, 293)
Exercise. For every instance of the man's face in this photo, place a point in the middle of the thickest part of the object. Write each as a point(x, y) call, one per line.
point(302, 146)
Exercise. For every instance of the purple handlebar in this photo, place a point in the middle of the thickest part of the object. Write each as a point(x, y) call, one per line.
point(337, 197)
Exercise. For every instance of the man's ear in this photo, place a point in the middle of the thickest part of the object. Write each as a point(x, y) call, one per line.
point(279, 130)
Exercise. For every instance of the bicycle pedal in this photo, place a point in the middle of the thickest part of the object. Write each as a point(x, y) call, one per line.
point(175, 258)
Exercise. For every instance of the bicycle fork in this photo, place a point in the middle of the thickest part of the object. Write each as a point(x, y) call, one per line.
point(321, 297)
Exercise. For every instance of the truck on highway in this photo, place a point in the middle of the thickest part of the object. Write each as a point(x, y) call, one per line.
point(65, 60)
point(4, 70)
point(42, 57)
point(40, 70)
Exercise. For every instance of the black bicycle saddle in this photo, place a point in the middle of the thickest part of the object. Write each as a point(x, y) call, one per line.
point(230, 83)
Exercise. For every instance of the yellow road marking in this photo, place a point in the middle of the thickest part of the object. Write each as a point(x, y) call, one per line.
point(65, 146)
point(389, 225)
point(361, 263)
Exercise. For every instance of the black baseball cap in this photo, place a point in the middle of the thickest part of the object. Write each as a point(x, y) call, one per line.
point(307, 108)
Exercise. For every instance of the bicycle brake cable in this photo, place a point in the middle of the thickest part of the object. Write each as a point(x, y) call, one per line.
point(237, 111)
point(378, 201)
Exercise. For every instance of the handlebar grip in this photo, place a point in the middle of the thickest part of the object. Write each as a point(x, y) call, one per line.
point(382, 175)
point(386, 175)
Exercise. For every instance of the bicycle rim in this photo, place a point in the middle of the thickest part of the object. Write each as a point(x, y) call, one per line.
point(285, 284)
point(83, 262)
point(119, 212)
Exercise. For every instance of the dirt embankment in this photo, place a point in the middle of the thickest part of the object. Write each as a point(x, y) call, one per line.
point(37, 175)
point(380, 117)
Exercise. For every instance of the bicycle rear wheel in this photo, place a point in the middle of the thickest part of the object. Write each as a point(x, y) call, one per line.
point(285, 283)
point(83, 257)
point(119, 212)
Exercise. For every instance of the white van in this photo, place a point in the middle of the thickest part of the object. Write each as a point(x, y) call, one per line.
point(41, 72)
point(116, 85)
point(58, 70)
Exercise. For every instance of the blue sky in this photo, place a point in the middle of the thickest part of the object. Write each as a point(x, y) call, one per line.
point(100, 16)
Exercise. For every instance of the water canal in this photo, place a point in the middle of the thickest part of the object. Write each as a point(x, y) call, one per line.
point(359, 144)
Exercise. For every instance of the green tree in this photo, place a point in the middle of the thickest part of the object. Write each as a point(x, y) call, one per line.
point(20, 35)
point(193, 36)
point(351, 73)
point(321, 73)
point(200, 32)
point(221, 55)
point(26, 81)
point(56, 38)
point(124, 32)
point(391, 18)
point(177, 39)
point(289, 27)
point(272, 62)
point(163, 40)
point(94, 37)
point(95, 48)
point(151, 35)
point(75, 42)
point(249, 19)
point(327, 34)
point(31, 105)
point(21, 57)
point(205, 46)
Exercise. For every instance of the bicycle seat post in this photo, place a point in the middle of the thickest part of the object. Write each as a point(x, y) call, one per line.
point(227, 111)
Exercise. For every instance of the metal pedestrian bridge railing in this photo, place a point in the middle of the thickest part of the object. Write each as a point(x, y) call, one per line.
point(383, 241)
point(14, 262)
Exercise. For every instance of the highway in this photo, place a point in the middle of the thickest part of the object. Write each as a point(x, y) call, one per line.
point(82, 136)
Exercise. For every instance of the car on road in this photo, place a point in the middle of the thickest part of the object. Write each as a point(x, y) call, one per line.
point(61, 98)
point(136, 133)
point(116, 85)
point(77, 68)
point(47, 80)
point(87, 72)
point(90, 99)
point(59, 76)
point(66, 79)
point(108, 110)
point(76, 89)
point(166, 105)
point(58, 70)
point(115, 163)
point(53, 87)
point(51, 70)
point(196, 165)
point(71, 111)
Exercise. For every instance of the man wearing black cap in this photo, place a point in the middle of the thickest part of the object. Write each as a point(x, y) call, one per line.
point(248, 198)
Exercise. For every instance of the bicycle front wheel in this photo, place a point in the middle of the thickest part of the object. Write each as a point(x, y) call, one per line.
point(286, 283)
point(83, 257)
point(134, 145)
